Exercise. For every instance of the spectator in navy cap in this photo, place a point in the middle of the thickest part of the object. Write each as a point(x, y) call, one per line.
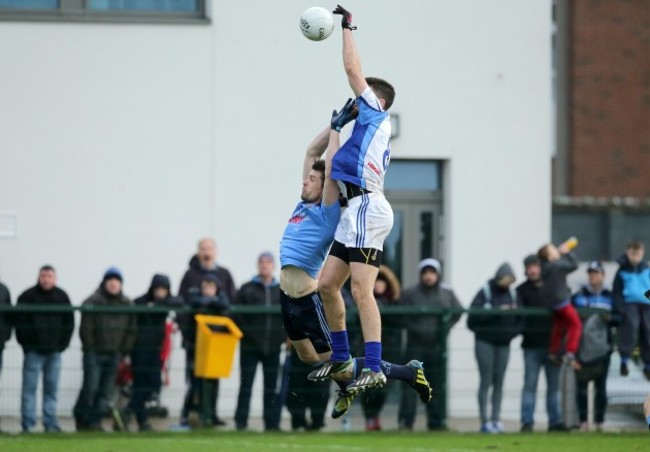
point(594, 353)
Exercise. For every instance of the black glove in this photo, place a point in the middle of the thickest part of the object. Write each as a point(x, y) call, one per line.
point(647, 294)
point(346, 20)
point(347, 114)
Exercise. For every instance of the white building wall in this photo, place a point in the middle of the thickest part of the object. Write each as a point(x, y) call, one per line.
point(124, 144)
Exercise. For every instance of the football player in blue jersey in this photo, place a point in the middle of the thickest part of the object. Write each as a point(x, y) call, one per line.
point(303, 249)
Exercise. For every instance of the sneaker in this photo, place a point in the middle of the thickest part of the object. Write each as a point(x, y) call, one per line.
point(600, 427)
point(559, 428)
point(497, 427)
point(373, 424)
point(526, 428)
point(94, 427)
point(218, 422)
point(342, 404)
point(420, 383)
point(330, 369)
point(584, 426)
point(145, 427)
point(624, 370)
point(487, 428)
point(52, 429)
point(367, 379)
point(81, 426)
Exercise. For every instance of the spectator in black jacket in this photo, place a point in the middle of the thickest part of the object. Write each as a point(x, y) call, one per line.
point(146, 358)
point(493, 334)
point(106, 336)
point(263, 337)
point(200, 405)
point(5, 323)
point(43, 336)
point(202, 263)
point(536, 341)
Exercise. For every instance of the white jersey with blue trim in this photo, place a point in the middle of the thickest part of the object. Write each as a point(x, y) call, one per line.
point(364, 157)
point(308, 236)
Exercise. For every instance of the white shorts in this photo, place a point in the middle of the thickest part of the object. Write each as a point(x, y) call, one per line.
point(365, 222)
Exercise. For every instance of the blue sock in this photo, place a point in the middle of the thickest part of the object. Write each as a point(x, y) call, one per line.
point(373, 356)
point(624, 359)
point(340, 346)
point(397, 371)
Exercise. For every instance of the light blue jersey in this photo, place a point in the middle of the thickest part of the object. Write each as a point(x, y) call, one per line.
point(308, 236)
point(364, 157)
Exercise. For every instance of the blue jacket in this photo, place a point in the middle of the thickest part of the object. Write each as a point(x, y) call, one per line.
point(631, 282)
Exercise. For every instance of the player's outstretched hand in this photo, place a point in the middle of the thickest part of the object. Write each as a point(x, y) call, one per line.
point(346, 20)
point(647, 294)
point(345, 115)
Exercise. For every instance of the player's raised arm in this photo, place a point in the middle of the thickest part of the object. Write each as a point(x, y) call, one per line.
point(315, 150)
point(351, 60)
point(338, 121)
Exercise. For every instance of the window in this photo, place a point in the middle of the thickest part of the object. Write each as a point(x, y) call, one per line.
point(143, 5)
point(413, 175)
point(155, 11)
point(29, 4)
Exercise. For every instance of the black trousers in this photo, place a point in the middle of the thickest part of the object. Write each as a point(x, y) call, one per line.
point(597, 374)
point(431, 356)
point(304, 395)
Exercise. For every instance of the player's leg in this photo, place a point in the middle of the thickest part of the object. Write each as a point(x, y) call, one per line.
point(364, 263)
point(335, 272)
point(411, 373)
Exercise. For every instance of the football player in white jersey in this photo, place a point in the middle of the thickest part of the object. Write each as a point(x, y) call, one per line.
point(359, 167)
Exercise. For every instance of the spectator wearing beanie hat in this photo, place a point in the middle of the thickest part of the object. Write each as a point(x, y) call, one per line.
point(105, 337)
point(423, 338)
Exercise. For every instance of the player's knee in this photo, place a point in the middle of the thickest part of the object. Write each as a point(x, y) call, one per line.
point(361, 294)
point(328, 289)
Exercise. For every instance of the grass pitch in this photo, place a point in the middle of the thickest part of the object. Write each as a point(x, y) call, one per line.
point(371, 442)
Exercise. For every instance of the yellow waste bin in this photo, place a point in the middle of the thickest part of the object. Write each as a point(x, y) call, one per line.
point(216, 341)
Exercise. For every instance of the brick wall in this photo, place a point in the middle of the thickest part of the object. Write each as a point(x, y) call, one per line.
point(609, 98)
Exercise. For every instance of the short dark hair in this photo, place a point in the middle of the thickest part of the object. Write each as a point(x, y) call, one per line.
point(46, 267)
point(382, 90)
point(635, 245)
point(543, 252)
point(319, 165)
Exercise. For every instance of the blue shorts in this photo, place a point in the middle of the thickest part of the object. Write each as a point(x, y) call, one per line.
point(304, 318)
